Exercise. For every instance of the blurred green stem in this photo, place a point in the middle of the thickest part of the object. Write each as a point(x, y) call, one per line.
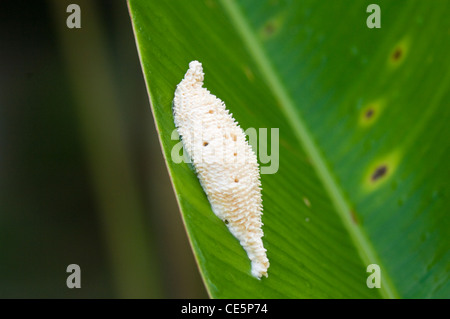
point(122, 215)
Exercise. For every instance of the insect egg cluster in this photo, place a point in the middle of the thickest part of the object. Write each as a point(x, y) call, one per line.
point(225, 163)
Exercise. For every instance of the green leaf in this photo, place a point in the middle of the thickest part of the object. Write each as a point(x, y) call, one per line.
point(363, 139)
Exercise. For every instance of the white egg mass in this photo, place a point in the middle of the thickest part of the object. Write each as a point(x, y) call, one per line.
point(225, 163)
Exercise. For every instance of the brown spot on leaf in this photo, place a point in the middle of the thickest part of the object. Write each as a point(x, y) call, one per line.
point(380, 171)
point(397, 54)
point(369, 113)
point(269, 29)
point(354, 217)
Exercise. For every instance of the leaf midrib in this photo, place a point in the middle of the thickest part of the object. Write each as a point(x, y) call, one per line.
point(362, 243)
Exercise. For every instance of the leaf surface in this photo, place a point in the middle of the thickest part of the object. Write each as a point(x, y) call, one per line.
point(363, 139)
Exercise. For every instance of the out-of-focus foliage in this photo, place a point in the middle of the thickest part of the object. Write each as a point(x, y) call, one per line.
point(52, 191)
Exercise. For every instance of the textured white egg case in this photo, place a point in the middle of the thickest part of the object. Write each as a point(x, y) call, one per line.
point(225, 163)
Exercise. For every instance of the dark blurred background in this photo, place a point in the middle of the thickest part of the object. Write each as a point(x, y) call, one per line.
point(82, 177)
